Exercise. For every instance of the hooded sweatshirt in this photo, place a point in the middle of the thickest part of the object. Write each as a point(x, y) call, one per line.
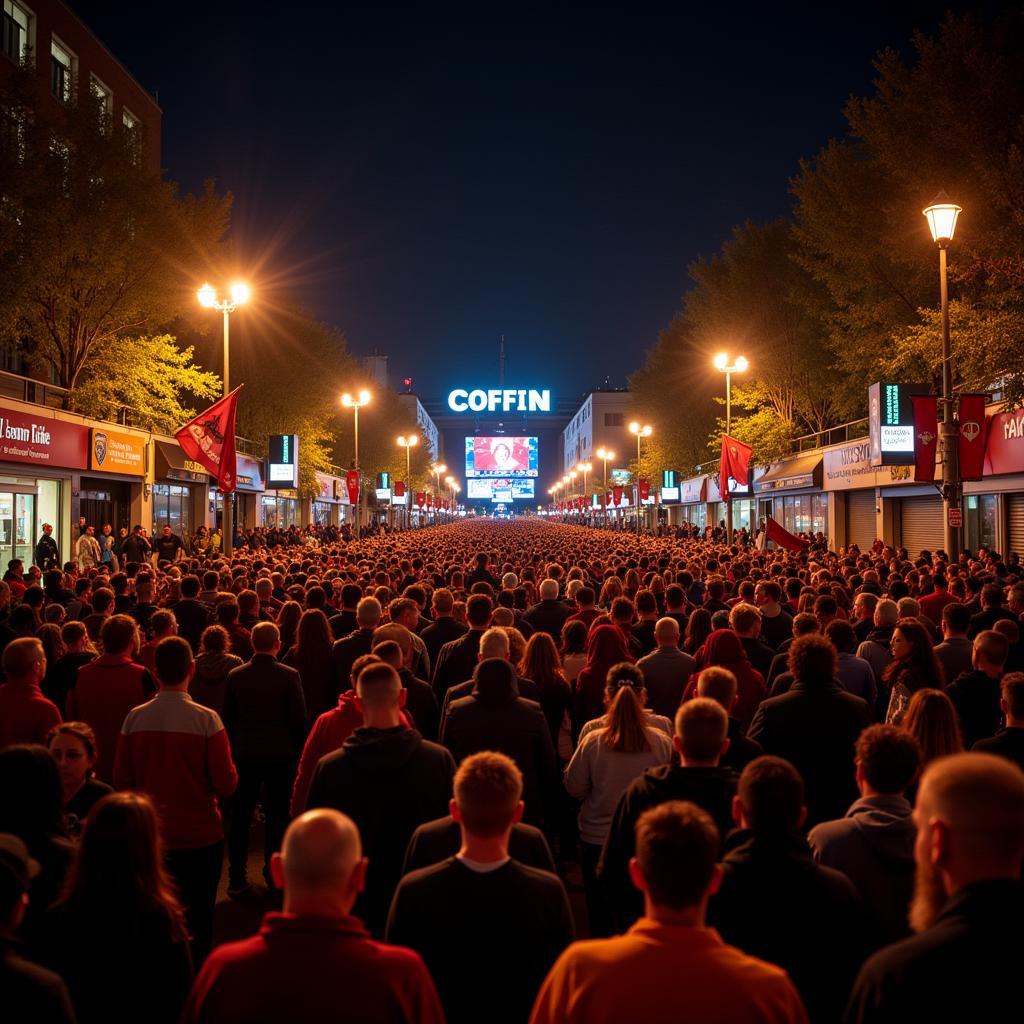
point(874, 847)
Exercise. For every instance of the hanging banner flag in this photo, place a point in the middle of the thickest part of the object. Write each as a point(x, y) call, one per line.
point(926, 436)
point(971, 437)
point(780, 535)
point(399, 489)
point(352, 484)
point(421, 499)
point(645, 489)
point(616, 496)
point(209, 439)
point(735, 464)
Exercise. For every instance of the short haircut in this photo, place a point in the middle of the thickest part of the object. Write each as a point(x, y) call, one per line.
point(890, 758)
point(743, 617)
point(359, 664)
point(368, 612)
point(825, 605)
point(495, 643)
point(172, 660)
point(804, 623)
point(478, 610)
point(402, 606)
point(622, 609)
point(957, 617)
point(73, 631)
point(378, 685)
point(102, 599)
point(162, 620)
point(443, 601)
point(20, 655)
point(585, 597)
point(701, 725)
point(842, 636)
point(190, 586)
point(887, 613)
point(396, 632)
point(992, 595)
point(548, 590)
point(488, 787)
point(646, 602)
point(718, 684)
point(992, 646)
point(771, 793)
point(666, 628)
point(771, 590)
point(118, 634)
point(812, 657)
point(264, 637)
point(676, 848)
point(1011, 688)
point(390, 652)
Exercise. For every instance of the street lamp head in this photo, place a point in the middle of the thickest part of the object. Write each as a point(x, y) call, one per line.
point(449, 480)
point(585, 467)
point(721, 361)
point(402, 442)
point(573, 475)
point(413, 440)
point(346, 400)
point(240, 293)
point(646, 430)
point(207, 296)
point(742, 365)
point(441, 469)
point(941, 216)
point(364, 397)
point(634, 427)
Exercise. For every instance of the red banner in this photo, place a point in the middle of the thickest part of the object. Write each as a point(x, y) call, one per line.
point(616, 496)
point(421, 499)
point(210, 440)
point(352, 483)
point(926, 436)
point(399, 489)
point(735, 463)
point(780, 535)
point(645, 489)
point(971, 437)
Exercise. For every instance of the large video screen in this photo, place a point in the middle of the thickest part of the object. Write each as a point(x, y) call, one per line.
point(499, 488)
point(501, 457)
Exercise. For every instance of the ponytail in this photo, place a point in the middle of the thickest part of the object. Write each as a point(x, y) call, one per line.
point(626, 730)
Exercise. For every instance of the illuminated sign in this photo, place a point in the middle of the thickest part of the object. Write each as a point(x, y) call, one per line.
point(499, 400)
point(891, 423)
point(283, 460)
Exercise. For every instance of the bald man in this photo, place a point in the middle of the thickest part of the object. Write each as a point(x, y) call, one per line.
point(666, 669)
point(968, 901)
point(315, 961)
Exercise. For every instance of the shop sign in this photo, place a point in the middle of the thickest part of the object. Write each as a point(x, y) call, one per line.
point(115, 452)
point(41, 441)
point(849, 468)
point(692, 491)
point(1004, 449)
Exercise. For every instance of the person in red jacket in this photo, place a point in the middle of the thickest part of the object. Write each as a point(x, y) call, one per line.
point(26, 716)
point(315, 962)
point(177, 752)
point(724, 649)
point(108, 688)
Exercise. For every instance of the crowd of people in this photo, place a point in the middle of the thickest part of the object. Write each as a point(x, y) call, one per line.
point(518, 771)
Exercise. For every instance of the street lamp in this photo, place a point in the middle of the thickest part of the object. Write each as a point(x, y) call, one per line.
point(238, 296)
point(740, 366)
point(605, 455)
point(437, 470)
point(585, 468)
point(408, 443)
point(942, 216)
point(355, 404)
point(641, 431)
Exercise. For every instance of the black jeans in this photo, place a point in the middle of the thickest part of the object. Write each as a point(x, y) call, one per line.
point(196, 873)
point(275, 781)
point(597, 902)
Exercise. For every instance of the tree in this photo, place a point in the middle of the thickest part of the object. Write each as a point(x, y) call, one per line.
point(145, 378)
point(93, 245)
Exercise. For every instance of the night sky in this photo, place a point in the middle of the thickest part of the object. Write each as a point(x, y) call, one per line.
point(428, 180)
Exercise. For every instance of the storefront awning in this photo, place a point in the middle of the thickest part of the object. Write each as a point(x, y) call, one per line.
point(802, 472)
point(173, 464)
point(694, 490)
point(248, 473)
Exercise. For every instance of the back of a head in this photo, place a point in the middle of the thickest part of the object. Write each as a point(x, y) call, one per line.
point(812, 659)
point(585, 597)
point(478, 611)
point(718, 684)
point(1012, 691)
point(265, 637)
point(394, 632)
point(701, 727)
point(646, 603)
point(379, 686)
point(841, 635)
point(992, 595)
point(771, 793)
point(666, 631)
point(190, 586)
point(368, 612)
point(319, 851)
point(676, 848)
point(993, 647)
point(744, 617)
point(548, 590)
point(887, 614)
point(442, 601)
point(389, 652)
point(494, 643)
point(488, 787)
point(889, 757)
point(119, 634)
point(172, 661)
point(804, 623)
point(21, 655)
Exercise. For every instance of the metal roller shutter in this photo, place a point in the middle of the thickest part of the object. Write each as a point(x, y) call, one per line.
point(860, 518)
point(921, 524)
point(1015, 504)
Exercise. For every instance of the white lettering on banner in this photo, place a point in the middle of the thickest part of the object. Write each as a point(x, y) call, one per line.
point(32, 434)
point(499, 399)
point(1013, 427)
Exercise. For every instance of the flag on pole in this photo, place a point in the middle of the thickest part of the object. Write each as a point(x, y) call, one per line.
point(209, 439)
point(926, 436)
point(735, 463)
point(780, 535)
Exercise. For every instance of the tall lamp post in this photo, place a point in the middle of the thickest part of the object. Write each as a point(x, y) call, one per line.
point(641, 431)
point(605, 455)
point(450, 481)
point(740, 366)
point(585, 468)
point(408, 443)
point(355, 404)
point(437, 470)
point(238, 296)
point(941, 216)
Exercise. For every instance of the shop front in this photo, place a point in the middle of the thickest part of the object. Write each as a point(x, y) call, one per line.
point(326, 506)
point(117, 469)
point(281, 509)
point(790, 492)
point(994, 506)
point(693, 496)
point(180, 491)
point(248, 491)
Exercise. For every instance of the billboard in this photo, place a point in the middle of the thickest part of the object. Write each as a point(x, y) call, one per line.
point(501, 457)
point(499, 488)
point(282, 461)
point(891, 423)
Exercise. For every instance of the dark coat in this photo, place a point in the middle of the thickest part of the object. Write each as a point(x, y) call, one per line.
point(420, 703)
point(193, 617)
point(548, 617)
point(344, 655)
point(343, 623)
point(976, 699)
point(434, 841)
point(760, 655)
point(814, 727)
point(441, 632)
point(265, 712)
point(455, 662)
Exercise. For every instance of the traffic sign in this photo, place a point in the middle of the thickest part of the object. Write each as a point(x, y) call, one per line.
point(956, 517)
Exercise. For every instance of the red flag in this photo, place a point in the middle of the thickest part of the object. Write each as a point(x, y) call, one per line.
point(616, 496)
point(926, 436)
point(420, 499)
point(645, 490)
point(778, 533)
point(971, 438)
point(210, 440)
point(735, 463)
point(399, 489)
point(352, 483)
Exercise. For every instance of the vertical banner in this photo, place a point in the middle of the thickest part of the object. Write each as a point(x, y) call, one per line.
point(421, 499)
point(645, 489)
point(926, 436)
point(971, 437)
point(616, 496)
point(352, 483)
point(399, 489)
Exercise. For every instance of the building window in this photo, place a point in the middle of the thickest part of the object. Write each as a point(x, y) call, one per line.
point(14, 25)
point(62, 71)
point(613, 419)
point(172, 506)
point(132, 128)
point(103, 98)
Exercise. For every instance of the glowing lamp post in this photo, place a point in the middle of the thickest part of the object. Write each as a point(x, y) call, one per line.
point(641, 431)
point(408, 443)
point(740, 366)
point(605, 455)
point(355, 404)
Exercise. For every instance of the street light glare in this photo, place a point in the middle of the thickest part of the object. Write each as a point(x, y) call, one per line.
point(742, 364)
point(441, 469)
point(346, 400)
point(647, 431)
point(634, 427)
point(207, 296)
point(240, 293)
point(364, 397)
point(942, 215)
point(721, 361)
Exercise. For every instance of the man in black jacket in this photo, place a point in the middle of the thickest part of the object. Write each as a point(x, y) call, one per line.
point(967, 906)
point(548, 615)
point(389, 780)
point(265, 717)
point(814, 726)
point(700, 740)
point(46, 554)
point(992, 610)
point(435, 841)
point(393, 645)
point(720, 685)
point(355, 645)
point(345, 622)
point(775, 903)
point(1009, 741)
point(975, 695)
point(745, 622)
point(444, 628)
point(457, 658)
point(190, 613)
point(495, 717)
point(484, 923)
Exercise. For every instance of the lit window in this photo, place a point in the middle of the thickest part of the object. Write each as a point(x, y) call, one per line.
point(62, 69)
point(104, 98)
point(14, 39)
point(132, 127)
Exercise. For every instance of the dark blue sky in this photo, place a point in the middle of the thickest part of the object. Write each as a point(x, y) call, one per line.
point(429, 179)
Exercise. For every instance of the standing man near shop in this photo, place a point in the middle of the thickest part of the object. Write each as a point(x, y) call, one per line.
point(169, 546)
point(46, 554)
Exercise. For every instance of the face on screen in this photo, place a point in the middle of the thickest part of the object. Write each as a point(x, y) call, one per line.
point(492, 456)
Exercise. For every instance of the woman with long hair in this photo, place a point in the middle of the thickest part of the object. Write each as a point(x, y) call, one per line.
point(73, 746)
point(931, 719)
point(607, 760)
point(698, 629)
point(724, 649)
point(913, 667)
point(210, 683)
point(119, 911)
point(606, 647)
point(573, 649)
point(541, 663)
point(288, 619)
point(610, 590)
point(311, 657)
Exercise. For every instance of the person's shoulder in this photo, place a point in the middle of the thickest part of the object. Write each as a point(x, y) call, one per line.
point(428, 750)
point(826, 833)
point(537, 879)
